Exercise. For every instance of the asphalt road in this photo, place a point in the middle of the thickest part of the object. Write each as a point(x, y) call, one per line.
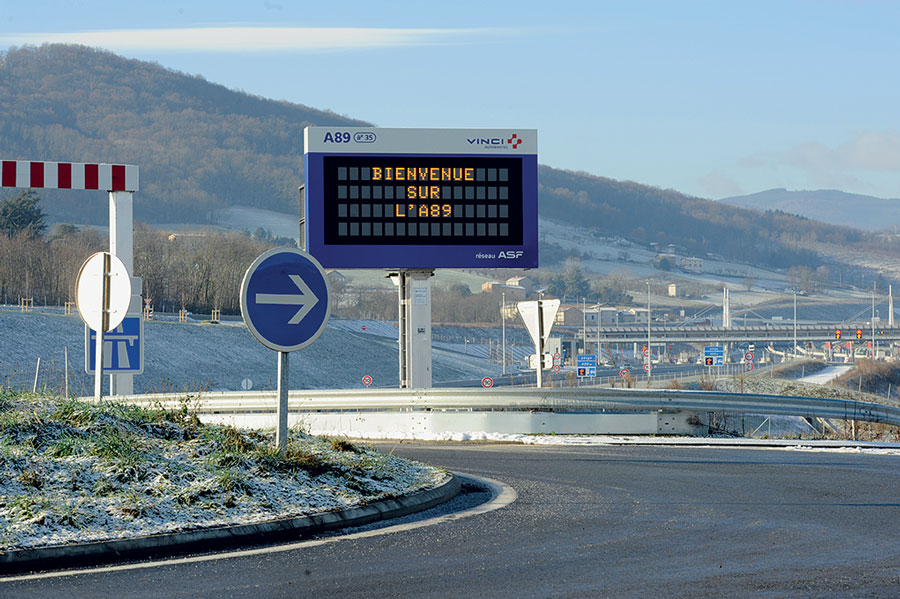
point(588, 522)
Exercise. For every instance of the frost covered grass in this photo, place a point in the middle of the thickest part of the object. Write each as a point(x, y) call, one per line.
point(72, 471)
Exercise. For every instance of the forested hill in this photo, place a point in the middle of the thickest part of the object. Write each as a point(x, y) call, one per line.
point(202, 147)
point(199, 146)
point(649, 214)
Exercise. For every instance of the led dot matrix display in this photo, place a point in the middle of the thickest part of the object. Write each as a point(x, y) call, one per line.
point(421, 198)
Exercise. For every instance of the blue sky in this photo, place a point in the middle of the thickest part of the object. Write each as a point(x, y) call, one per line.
point(711, 98)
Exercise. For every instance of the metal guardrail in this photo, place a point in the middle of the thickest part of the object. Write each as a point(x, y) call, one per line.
point(518, 399)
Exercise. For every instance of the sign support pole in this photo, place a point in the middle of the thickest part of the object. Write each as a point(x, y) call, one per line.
point(104, 301)
point(281, 434)
point(539, 344)
point(121, 245)
point(414, 299)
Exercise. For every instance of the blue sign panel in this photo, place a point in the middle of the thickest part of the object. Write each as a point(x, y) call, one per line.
point(714, 355)
point(586, 365)
point(421, 198)
point(285, 299)
point(586, 360)
point(123, 348)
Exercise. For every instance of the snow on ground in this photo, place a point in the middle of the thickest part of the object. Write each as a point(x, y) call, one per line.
point(217, 357)
point(72, 472)
point(823, 377)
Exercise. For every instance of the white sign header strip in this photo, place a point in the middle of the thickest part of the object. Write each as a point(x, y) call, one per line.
point(373, 140)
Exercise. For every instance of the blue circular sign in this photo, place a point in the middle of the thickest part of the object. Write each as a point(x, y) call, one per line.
point(285, 299)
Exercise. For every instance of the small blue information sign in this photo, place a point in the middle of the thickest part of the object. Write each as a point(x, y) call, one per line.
point(586, 365)
point(714, 355)
point(123, 348)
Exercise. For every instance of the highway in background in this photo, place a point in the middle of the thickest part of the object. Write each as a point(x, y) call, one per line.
point(594, 521)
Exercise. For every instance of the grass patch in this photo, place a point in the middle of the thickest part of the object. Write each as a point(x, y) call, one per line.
point(69, 468)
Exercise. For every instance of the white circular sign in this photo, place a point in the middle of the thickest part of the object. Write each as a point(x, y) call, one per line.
point(246, 384)
point(487, 382)
point(749, 366)
point(748, 355)
point(89, 291)
point(367, 380)
point(624, 373)
point(646, 352)
point(646, 368)
point(556, 368)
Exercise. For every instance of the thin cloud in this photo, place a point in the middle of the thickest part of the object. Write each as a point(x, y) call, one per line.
point(848, 165)
point(252, 38)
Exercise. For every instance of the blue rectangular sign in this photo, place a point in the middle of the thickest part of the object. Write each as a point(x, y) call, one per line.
point(421, 198)
point(123, 348)
point(586, 371)
point(586, 360)
point(714, 355)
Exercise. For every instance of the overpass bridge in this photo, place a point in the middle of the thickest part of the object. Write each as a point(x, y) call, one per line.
point(764, 334)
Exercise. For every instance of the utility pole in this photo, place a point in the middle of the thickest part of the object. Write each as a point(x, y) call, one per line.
point(584, 323)
point(873, 322)
point(795, 324)
point(503, 320)
point(649, 353)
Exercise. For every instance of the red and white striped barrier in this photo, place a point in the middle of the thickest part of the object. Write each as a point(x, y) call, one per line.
point(68, 175)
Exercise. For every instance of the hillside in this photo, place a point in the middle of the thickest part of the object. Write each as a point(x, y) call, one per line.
point(827, 205)
point(200, 146)
point(203, 149)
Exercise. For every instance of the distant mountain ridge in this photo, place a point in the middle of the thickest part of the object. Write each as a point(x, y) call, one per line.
point(203, 148)
point(827, 205)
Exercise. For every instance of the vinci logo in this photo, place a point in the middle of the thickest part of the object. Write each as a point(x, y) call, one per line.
point(496, 142)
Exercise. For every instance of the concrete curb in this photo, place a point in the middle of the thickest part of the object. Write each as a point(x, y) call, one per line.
point(272, 531)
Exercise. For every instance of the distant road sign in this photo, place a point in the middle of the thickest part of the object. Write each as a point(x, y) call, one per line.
point(285, 299)
point(367, 380)
point(586, 365)
point(714, 355)
point(748, 356)
point(646, 367)
point(487, 382)
point(123, 348)
point(586, 360)
point(529, 312)
point(749, 366)
point(89, 291)
point(624, 373)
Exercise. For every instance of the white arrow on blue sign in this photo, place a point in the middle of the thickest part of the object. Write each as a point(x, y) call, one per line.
point(285, 299)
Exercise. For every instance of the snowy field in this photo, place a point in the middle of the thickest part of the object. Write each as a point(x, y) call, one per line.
point(216, 357)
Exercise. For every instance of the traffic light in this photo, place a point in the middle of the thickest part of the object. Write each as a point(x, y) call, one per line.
point(837, 333)
point(881, 331)
point(859, 333)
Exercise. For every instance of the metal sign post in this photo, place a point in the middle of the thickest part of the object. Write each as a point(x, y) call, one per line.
point(285, 305)
point(414, 303)
point(283, 385)
point(104, 322)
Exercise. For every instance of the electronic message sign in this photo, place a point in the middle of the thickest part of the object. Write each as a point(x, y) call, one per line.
point(421, 198)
